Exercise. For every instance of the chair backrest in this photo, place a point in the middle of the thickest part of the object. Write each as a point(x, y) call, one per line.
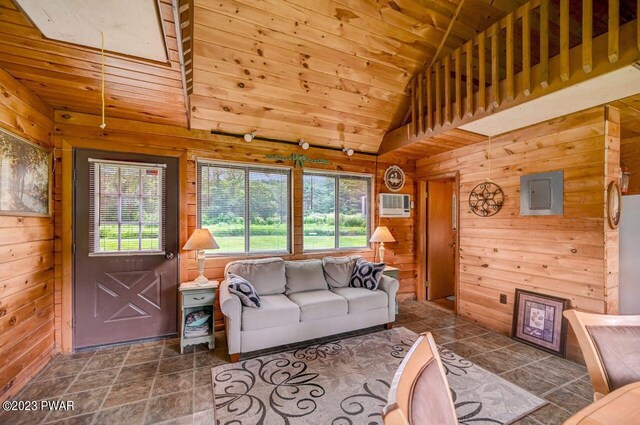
point(610, 346)
point(419, 393)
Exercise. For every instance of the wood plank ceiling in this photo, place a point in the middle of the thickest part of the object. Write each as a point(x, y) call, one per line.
point(68, 76)
point(333, 72)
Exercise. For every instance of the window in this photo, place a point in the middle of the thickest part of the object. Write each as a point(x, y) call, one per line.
point(247, 209)
point(127, 208)
point(336, 211)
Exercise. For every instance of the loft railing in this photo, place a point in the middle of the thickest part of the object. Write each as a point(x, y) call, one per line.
point(436, 103)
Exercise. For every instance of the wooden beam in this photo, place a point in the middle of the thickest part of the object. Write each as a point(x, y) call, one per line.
point(429, 100)
point(495, 67)
point(614, 30)
point(469, 54)
point(587, 35)
point(447, 88)
point(510, 92)
point(544, 43)
point(414, 124)
point(446, 34)
point(458, 82)
point(420, 77)
point(564, 40)
point(526, 49)
point(482, 73)
point(438, 104)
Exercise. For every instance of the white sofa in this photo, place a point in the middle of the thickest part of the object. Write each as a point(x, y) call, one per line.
point(301, 300)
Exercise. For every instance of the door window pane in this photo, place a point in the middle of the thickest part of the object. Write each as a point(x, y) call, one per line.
point(247, 209)
point(126, 208)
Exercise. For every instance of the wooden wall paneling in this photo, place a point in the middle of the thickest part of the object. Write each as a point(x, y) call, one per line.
point(611, 236)
point(26, 256)
point(81, 130)
point(563, 256)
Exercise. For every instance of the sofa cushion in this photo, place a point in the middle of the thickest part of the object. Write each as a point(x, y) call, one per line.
point(338, 270)
point(319, 304)
point(362, 299)
point(304, 275)
point(276, 310)
point(244, 290)
point(366, 275)
point(266, 275)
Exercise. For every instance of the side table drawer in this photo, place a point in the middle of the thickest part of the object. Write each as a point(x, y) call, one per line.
point(391, 273)
point(198, 298)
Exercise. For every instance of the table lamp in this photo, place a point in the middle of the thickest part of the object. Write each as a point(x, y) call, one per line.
point(200, 240)
point(382, 235)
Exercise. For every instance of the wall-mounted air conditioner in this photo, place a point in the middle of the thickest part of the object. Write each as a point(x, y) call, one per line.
point(395, 205)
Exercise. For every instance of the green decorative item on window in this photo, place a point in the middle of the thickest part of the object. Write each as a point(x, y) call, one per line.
point(298, 160)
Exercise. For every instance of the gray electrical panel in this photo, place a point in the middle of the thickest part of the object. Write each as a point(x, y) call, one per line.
point(542, 194)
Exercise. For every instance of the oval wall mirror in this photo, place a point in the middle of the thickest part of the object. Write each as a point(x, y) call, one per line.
point(614, 204)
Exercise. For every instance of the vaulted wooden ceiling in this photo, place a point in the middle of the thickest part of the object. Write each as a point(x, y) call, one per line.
point(68, 76)
point(333, 72)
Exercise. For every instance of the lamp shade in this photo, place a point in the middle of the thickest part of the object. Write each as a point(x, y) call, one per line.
point(201, 239)
point(382, 234)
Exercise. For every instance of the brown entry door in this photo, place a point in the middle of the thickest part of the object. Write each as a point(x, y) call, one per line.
point(126, 240)
point(441, 239)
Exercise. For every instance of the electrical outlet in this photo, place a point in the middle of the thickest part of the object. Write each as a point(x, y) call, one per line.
point(503, 298)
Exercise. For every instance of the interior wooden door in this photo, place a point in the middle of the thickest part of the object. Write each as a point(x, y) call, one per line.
point(441, 239)
point(126, 244)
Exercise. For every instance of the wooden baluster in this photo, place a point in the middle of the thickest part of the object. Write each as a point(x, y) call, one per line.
point(429, 101)
point(564, 40)
point(638, 24)
point(544, 43)
point(458, 71)
point(587, 35)
point(469, 50)
point(495, 66)
point(438, 105)
point(447, 89)
point(482, 72)
point(526, 50)
point(614, 30)
point(414, 124)
point(420, 102)
point(510, 58)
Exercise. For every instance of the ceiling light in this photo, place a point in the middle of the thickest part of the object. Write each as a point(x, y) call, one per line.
point(249, 136)
point(304, 145)
point(348, 151)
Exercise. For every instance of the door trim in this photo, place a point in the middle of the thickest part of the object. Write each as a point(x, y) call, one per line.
point(421, 289)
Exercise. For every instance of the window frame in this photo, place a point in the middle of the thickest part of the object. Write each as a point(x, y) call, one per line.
point(247, 167)
point(370, 222)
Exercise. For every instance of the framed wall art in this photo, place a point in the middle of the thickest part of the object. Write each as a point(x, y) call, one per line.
point(25, 177)
point(538, 321)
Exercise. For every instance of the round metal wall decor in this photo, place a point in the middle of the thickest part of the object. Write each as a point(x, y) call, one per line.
point(394, 178)
point(486, 199)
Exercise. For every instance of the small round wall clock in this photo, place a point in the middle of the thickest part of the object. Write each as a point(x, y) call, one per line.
point(394, 178)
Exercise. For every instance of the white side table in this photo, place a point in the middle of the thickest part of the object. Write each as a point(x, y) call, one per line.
point(193, 298)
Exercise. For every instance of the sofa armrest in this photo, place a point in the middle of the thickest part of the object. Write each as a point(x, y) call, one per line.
point(232, 309)
point(390, 286)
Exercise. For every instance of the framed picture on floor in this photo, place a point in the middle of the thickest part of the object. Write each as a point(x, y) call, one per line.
point(538, 321)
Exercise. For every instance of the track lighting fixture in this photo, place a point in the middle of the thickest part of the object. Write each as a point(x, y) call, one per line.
point(249, 136)
point(303, 144)
point(348, 151)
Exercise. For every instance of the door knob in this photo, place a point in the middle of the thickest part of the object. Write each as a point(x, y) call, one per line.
point(169, 255)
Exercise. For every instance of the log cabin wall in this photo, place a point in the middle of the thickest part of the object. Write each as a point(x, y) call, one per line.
point(81, 130)
point(556, 255)
point(26, 256)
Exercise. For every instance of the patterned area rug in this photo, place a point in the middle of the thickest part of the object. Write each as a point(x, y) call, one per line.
point(346, 382)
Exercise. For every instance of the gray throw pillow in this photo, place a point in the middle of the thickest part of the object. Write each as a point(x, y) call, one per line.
point(244, 290)
point(304, 275)
point(338, 270)
point(266, 274)
point(366, 275)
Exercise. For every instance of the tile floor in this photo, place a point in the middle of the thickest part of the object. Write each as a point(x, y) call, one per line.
point(152, 383)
